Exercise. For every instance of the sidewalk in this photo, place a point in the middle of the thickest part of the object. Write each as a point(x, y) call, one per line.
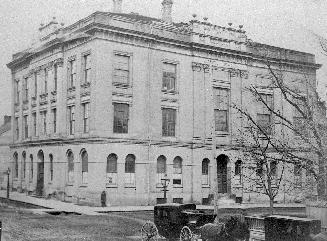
point(55, 205)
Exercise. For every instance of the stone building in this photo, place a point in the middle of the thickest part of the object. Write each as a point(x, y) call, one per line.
point(117, 101)
point(5, 152)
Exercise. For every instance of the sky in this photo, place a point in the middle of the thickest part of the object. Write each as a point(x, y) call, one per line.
point(290, 24)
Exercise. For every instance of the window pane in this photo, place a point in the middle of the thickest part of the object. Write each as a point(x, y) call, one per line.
point(121, 69)
point(161, 164)
point(221, 98)
point(168, 122)
point(264, 122)
point(130, 164)
point(169, 76)
point(121, 115)
point(112, 163)
point(177, 165)
point(221, 120)
point(84, 161)
point(70, 158)
point(205, 167)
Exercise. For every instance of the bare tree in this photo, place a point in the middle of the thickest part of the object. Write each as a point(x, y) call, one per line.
point(299, 133)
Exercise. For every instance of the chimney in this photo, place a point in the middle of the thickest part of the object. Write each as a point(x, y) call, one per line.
point(166, 10)
point(117, 6)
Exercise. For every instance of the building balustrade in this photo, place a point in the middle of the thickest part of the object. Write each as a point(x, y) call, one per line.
point(43, 98)
point(25, 105)
point(53, 96)
point(71, 92)
point(33, 101)
point(85, 89)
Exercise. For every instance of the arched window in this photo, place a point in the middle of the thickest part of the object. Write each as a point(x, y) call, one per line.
point(273, 168)
point(177, 164)
point(31, 168)
point(238, 167)
point(112, 169)
point(15, 165)
point(161, 168)
point(70, 160)
point(205, 172)
point(130, 169)
point(85, 165)
point(24, 165)
point(51, 166)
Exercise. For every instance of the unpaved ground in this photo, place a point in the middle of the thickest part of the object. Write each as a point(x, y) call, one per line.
point(20, 224)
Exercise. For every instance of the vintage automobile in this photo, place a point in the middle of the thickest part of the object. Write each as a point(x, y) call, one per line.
point(185, 222)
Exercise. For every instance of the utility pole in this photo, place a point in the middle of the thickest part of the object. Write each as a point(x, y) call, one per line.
point(8, 186)
point(165, 181)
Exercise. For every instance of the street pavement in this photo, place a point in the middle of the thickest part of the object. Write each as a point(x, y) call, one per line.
point(56, 205)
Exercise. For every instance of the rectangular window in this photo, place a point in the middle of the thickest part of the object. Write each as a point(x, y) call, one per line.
point(25, 89)
point(264, 117)
point(35, 84)
point(17, 92)
point(71, 120)
point(55, 76)
point(86, 119)
point(264, 122)
point(17, 128)
point(54, 120)
point(71, 73)
point(34, 123)
point(45, 90)
point(121, 69)
point(43, 115)
point(168, 122)
point(221, 109)
point(169, 77)
point(121, 115)
point(86, 68)
point(25, 127)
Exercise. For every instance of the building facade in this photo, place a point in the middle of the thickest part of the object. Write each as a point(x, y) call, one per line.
point(5, 152)
point(118, 101)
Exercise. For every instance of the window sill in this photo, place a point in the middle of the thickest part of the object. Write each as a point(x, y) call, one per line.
point(169, 92)
point(169, 138)
point(70, 89)
point(177, 186)
point(83, 185)
point(205, 186)
point(86, 84)
point(129, 185)
point(70, 184)
point(222, 133)
point(121, 85)
point(111, 186)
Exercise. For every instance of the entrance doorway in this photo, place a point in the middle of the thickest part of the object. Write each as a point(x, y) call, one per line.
point(222, 174)
point(40, 174)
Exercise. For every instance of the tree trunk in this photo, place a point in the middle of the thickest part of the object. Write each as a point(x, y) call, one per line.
point(271, 206)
